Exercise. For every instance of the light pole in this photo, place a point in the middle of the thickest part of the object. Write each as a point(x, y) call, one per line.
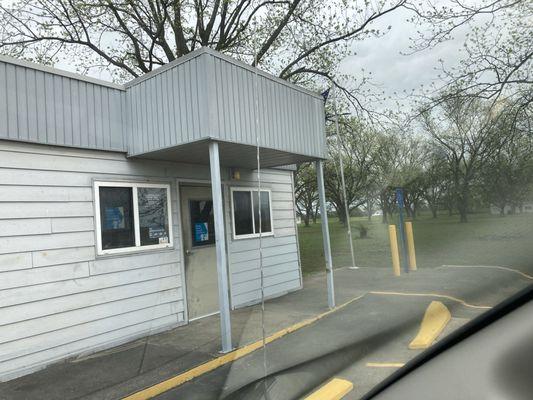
point(343, 182)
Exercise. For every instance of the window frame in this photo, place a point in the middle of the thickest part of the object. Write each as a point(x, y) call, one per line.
point(137, 229)
point(251, 235)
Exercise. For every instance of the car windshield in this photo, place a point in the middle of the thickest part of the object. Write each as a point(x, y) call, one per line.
point(255, 199)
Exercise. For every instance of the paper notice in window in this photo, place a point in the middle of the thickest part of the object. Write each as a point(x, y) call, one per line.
point(156, 232)
point(201, 232)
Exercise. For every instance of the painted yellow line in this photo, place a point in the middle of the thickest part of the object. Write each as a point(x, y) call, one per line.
point(335, 389)
point(516, 271)
point(435, 320)
point(209, 366)
point(384, 364)
point(441, 296)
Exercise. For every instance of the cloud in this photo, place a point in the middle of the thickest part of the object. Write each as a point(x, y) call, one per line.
point(392, 69)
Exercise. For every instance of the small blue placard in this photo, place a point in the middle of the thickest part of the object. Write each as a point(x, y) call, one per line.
point(114, 218)
point(201, 232)
point(399, 197)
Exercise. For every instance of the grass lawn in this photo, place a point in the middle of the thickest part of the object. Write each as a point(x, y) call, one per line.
point(485, 240)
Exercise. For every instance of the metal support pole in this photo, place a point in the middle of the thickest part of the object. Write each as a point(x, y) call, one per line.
point(220, 239)
point(399, 200)
point(325, 233)
point(394, 250)
point(346, 207)
point(410, 245)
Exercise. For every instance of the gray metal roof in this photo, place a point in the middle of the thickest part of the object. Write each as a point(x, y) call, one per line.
point(167, 113)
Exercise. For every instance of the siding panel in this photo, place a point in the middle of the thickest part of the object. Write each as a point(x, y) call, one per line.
point(15, 261)
point(53, 339)
point(215, 97)
point(40, 193)
point(109, 286)
point(49, 108)
point(17, 227)
point(37, 210)
point(280, 260)
point(37, 276)
point(72, 224)
point(44, 242)
point(22, 365)
point(62, 256)
point(37, 326)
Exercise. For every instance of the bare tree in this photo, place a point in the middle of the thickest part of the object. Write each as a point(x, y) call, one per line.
point(358, 146)
point(497, 56)
point(466, 131)
point(298, 40)
point(507, 177)
point(388, 161)
point(398, 164)
point(435, 180)
point(306, 192)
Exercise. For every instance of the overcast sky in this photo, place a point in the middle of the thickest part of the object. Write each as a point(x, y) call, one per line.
point(393, 71)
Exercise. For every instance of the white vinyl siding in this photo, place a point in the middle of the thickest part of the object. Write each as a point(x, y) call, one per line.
point(280, 258)
point(59, 299)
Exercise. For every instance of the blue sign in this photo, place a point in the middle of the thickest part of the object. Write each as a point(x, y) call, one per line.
point(399, 197)
point(201, 232)
point(114, 218)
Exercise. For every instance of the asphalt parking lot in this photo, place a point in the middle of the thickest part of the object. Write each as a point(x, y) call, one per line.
point(363, 341)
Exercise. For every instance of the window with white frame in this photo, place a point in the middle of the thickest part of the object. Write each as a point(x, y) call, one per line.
point(245, 211)
point(132, 216)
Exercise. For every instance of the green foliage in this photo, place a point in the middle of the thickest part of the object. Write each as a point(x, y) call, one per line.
point(363, 230)
point(306, 192)
point(485, 240)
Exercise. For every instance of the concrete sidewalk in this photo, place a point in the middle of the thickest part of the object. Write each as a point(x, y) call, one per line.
point(299, 362)
point(126, 369)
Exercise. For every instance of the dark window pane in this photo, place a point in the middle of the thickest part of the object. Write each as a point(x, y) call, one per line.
point(153, 216)
point(116, 216)
point(242, 210)
point(202, 222)
point(265, 213)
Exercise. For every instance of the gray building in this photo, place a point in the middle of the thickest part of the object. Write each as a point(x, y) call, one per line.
point(130, 209)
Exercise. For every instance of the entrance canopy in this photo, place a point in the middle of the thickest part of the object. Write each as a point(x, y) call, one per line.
point(174, 112)
point(231, 155)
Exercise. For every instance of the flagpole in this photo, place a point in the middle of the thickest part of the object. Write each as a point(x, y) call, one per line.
point(346, 207)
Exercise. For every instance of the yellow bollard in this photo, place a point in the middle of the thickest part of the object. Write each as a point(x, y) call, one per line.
point(410, 245)
point(394, 250)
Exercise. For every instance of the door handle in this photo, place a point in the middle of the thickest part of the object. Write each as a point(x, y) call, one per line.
point(188, 252)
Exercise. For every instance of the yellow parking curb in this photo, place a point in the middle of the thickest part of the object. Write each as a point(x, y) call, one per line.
point(384, 365)
point(211, 365)
point(435, 320)
point(335, 389)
